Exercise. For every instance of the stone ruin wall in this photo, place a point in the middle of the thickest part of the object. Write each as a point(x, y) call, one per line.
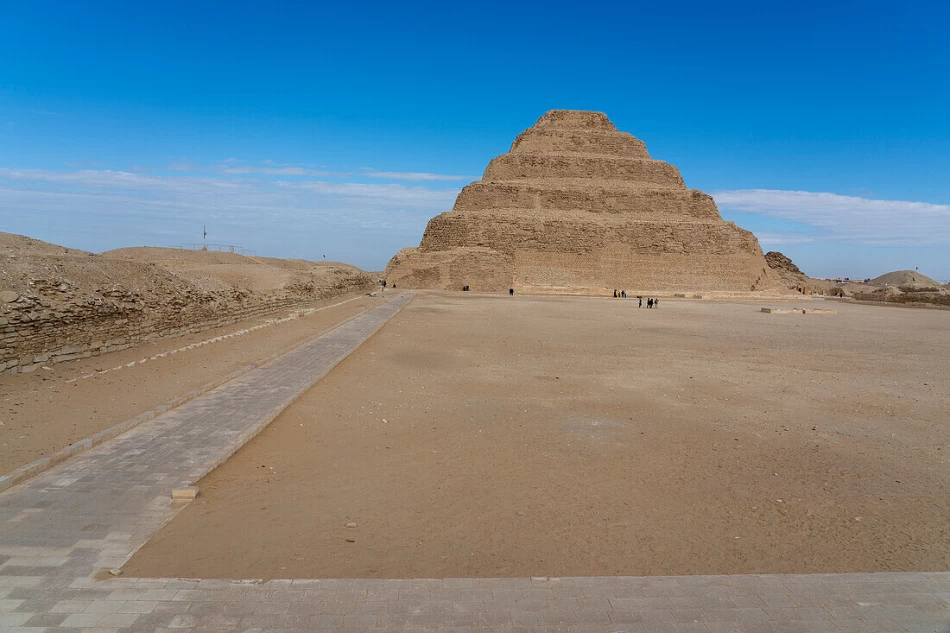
point(578, 205)
point(444, 269)
point(34, 332)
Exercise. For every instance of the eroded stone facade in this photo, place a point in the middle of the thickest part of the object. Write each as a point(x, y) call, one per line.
point(35, 331)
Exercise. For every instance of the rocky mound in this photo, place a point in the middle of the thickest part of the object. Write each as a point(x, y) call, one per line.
point(905, 278)
point(54, 298)
point(785, 267)
point(578, 205)
point(794, 279)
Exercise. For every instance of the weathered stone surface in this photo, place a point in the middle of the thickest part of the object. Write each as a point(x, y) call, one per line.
point(578, 205)
point(45, 319)
point(185, 493)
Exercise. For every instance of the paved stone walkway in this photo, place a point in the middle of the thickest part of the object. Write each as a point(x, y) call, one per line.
point(59, 531)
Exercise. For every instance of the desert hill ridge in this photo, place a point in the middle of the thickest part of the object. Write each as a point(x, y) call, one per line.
point(901, 278)
point(156, 270)
point(900, 286)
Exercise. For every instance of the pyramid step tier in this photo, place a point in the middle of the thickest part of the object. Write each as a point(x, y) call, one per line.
point(580, 143)
point(575, 120)
point(650, 203)
point(613, 266)
point(510, 232)
point(629, 171)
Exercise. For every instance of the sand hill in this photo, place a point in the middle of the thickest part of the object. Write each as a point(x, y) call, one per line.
point(578, 205)
point(905, 278)
point(58, 303)
point(901, 287)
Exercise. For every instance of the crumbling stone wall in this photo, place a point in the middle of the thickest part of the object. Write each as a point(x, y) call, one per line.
point(49, 324)
point(577, 204)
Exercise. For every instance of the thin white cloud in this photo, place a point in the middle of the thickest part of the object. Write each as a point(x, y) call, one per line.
point(87, 178)
point(97, 196)
point(844, 218)
point(774, 238)
point(277, 171)
point(390, 192)
point(415, 175)
point(234, 167)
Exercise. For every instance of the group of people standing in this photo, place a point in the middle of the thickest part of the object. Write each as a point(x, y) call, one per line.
point(651, 301)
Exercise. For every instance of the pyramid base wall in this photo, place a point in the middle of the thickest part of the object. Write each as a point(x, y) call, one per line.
point(604, 269)
point(479, 268)
point(624, 269)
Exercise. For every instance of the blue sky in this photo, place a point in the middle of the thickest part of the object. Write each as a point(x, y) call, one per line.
point(309, 129)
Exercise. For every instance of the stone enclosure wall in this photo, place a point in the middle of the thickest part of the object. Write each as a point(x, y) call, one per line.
point(36, 331)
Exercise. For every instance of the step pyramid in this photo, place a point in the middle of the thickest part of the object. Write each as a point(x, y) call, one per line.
point(577, 205)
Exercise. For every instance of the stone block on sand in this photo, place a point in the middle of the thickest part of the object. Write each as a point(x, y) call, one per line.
point(185, 493)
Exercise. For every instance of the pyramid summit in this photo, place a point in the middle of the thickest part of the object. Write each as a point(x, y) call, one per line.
point(578, 205)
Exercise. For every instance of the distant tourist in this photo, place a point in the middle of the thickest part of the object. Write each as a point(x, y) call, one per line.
point(511, 292)
point(656, 303)
point(615, 293)
point(623, 294)
point(649, 303)
point(640, 304)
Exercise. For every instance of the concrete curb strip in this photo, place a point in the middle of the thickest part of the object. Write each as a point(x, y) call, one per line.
point(42, 464)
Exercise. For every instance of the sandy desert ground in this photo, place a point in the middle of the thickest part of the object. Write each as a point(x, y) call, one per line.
point(536, 436)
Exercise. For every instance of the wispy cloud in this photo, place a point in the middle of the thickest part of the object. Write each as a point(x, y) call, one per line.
point(277, 171)
point(777, 238)
point(391, 192)
point(843, 218)
point(237, 167)
point(414, 175)
point(101, 209)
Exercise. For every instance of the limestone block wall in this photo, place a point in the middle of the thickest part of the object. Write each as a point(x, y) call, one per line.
point(508, 167)
point(661, 204)
point(582, 142)
point(511, 232)
point(637, 272)
point(33, 334)
point(480, 268)
point(575, 120)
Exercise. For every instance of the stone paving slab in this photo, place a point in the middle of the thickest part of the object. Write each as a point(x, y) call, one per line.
point(61, 529)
